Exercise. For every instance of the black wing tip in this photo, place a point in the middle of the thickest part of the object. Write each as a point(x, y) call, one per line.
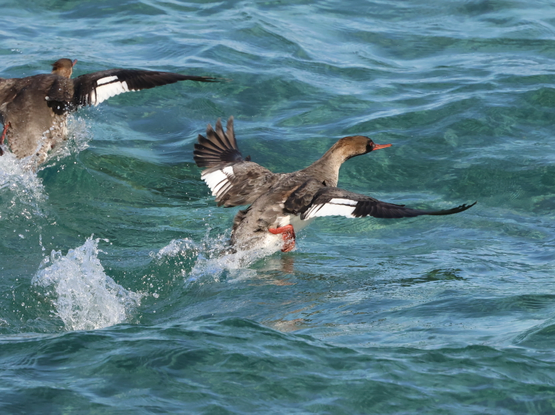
point(201, 162)
point(464, 207)
point(203, 78)
point(457, 209)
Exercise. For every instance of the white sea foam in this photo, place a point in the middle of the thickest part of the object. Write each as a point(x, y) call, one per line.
point(83, 296)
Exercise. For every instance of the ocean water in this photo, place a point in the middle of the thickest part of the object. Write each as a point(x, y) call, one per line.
point(114, 298)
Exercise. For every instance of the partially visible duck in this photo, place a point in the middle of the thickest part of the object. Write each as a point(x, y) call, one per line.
point(282, 203)
point(34, 110)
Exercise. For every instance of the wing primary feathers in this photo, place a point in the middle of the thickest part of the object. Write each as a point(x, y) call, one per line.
point(230, 133)
point(457, 209)
point(217, 147)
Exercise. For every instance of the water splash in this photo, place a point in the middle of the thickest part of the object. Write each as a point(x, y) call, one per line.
point(176, 247)
point(21, 191)
point(78, 138)
point(214, 260)
point(84, 297)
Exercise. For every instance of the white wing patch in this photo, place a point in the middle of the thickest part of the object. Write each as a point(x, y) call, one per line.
point(335, 207)
point(108, 87)
point(103, 81)
point(218, 180)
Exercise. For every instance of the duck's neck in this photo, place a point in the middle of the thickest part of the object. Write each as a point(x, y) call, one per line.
point(327, 168)
point(63, 72)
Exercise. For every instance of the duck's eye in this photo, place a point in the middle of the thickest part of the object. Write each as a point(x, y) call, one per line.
point(369, 147)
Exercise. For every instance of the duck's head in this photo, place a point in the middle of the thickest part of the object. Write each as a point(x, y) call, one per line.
point(63, 67)
point(357, 145)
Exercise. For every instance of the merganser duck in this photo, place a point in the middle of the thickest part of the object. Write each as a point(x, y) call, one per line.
point(282, 203)
point(36, 107)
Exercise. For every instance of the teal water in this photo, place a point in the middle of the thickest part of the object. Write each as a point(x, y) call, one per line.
point(113, 298)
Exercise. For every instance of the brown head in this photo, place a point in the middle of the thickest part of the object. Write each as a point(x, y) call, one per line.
point(327, 168)
point(63, 67)
point(355, 145)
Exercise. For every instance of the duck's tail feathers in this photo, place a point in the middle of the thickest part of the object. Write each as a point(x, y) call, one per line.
point(217, 147)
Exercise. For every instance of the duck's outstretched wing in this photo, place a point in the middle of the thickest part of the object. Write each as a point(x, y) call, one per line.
point(233, 180)
point(332, 201)
point(93, 88)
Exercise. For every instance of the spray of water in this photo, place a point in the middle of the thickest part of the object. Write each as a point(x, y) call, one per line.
point(78, 138)
point(214, 259)
point(82, 295)
point(22, 191)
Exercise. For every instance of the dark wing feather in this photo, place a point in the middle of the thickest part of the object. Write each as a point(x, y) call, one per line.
point(330, 201)
point(302, 197)
point(60, 95)
point(217, 147)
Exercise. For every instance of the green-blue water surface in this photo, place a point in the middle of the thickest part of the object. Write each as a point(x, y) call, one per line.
point(113, 299)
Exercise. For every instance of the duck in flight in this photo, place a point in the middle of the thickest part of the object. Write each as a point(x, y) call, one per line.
point(34, 109)
point(283, 203)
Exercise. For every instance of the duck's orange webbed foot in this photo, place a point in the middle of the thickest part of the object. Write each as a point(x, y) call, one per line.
point(288, 233)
